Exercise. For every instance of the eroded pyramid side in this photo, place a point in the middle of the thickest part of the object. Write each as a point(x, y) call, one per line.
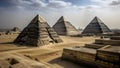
point(96, 26)
point(37, 33)
point(64, 27)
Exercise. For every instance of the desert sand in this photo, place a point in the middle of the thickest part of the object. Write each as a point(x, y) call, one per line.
point(48, 56)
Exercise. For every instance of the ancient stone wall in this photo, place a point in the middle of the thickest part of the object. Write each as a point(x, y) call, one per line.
point(78, 57)
point(108, 42)
point(115, 38)
point(107, 59)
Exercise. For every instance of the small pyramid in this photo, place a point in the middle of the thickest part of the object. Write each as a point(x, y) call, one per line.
point(64, 27)
point(15, 29)
point(96, 26)
point(37, 33)
point(62, 18)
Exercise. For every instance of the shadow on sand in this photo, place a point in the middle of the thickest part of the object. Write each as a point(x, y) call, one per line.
point(66, 63)
point(7, 43)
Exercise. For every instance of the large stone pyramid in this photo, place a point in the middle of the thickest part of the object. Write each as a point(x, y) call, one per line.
point(37, 33)
point(64, 27)
point(96, 26)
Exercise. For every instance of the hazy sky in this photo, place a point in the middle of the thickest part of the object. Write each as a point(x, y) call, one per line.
point(79, 12)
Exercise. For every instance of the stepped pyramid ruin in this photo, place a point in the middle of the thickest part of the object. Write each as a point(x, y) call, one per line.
point(64, 27)
point(96, 26)
point(37, 33)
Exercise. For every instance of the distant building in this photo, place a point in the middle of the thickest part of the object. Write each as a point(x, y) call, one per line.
point(64, 27)
point(96, 26)
point(15, 30)
point(116, 31)
point(2, 33)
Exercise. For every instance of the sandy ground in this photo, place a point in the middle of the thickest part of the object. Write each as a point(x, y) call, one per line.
point(49, 55)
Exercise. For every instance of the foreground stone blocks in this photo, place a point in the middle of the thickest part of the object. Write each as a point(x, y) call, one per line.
point(102, 58)
point(106, 57)
point(108, 42)
point(80, 55)
point(102, 54)
point(115, 38)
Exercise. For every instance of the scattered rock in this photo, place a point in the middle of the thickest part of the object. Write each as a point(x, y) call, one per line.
point(12, 61)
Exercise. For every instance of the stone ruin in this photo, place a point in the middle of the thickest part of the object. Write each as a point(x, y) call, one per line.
point(15, 30)
point(104, 53)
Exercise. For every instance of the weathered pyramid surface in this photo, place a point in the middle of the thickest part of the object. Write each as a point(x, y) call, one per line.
point(37, 33)
point(96, 26)
point(64, 27)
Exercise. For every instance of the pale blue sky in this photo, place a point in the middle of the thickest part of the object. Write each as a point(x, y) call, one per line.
point(80, 2)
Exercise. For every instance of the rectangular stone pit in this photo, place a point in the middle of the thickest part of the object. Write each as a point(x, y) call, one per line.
point(80, 55)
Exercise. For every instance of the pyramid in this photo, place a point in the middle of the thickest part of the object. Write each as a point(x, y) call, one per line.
point(64, 27)
point(96, 26)
point(15, 29)
point(37, 33)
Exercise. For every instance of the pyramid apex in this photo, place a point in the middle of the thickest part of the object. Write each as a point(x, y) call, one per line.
point(37, 16)
point(40, 18)
point(62, 18)
point(96, 17)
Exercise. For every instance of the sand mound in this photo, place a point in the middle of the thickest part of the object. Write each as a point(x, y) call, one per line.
point(19, 61)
